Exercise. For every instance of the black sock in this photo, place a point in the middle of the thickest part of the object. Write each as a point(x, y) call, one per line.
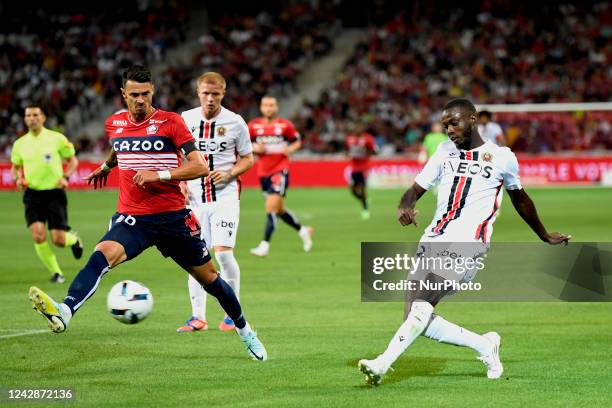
point(270, 226)
point(86, 282)
point(227, 299)
point(291, 219)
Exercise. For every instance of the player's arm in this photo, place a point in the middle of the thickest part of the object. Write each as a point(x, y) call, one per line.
point(16, 173)
point(405, 210)
point(526, 209)
point(195, 167)
point(71, 165)
point(99, 176)
point(244, 163)
point(293, 147)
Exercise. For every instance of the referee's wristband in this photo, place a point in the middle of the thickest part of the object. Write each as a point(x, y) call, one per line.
point(164, 175)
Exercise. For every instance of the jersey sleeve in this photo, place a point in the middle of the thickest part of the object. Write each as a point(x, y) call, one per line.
point(243, 142)
point(65, 148)
point(431, 172)
point(291, 132)
point(16, 158)
point(512, 180)
point(180, 134)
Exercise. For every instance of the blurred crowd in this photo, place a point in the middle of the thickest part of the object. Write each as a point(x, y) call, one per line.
point(259, 54)
point(415, 60)
point(68, 61)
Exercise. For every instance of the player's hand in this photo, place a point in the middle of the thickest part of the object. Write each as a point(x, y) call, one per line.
point(99, 177)
point(220, 176)
point(143, 177)
point(62, 183)
point(259, 148)
point(556, 238)
point(19, 183)
point(407, 216)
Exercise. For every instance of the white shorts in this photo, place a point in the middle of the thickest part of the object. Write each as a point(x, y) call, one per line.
point(219, 222)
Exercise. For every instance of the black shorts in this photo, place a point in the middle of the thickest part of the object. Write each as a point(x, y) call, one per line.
point(358, 178)
point(176, 234)
point(276, 183)
point(50, 206)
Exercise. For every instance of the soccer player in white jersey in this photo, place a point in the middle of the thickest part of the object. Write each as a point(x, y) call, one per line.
point(489, 130)
point(471, 173)
point(223, 137)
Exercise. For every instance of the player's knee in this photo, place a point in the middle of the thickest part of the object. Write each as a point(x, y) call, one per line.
point(225, 257)
point(58, 239)
point(421, 312)
point(112, 251)
point(38, 237)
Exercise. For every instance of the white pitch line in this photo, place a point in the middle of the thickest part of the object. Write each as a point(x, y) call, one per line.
point(25, 333)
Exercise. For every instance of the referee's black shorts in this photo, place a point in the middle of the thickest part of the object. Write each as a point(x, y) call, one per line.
point(50, 206)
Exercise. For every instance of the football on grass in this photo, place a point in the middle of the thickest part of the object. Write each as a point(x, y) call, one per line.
point(129, 302)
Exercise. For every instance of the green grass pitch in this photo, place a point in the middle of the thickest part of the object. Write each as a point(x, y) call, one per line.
point(307, 310)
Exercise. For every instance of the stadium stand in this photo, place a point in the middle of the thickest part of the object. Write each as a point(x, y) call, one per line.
point(493, 52)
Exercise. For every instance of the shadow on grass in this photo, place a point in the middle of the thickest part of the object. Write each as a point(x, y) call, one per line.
point(409, 367)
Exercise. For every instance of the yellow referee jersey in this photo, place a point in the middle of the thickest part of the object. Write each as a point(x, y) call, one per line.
point(41, 157)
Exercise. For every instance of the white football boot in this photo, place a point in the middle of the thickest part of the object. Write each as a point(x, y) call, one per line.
point(494, 366)
point(373, 369)
point(306, 234)
point(263, 249)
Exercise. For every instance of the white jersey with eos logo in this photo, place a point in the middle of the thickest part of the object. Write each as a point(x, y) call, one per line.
point(469, 193)
point(222, 139)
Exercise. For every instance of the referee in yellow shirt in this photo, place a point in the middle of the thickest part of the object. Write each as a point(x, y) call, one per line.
point(40, 153)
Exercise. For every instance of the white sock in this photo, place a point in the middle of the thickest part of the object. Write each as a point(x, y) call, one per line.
point(411, 329)
point(197, 295)
point(65, 312)
point(230, 271)
point(245, 330)
point(448, 332)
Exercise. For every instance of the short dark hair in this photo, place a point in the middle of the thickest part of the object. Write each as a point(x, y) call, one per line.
point(484, 113)
point(35, 106)
point(461, 103)
point(136, 73)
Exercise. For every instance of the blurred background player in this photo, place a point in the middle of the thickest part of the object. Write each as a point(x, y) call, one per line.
point(490, 130)
point(215, 199)
point(471, 172)
point(147, 147)
point(431, 141)
point(360, 145)
point(274, 140)
point(40, 153)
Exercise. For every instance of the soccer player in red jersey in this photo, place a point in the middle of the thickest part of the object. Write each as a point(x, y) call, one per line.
point(147, 146)
point(274, 140)
point(360, 145)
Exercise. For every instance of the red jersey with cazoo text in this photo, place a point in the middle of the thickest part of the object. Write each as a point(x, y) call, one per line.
point(275, 136)
point(153, 144)
point(359, 148)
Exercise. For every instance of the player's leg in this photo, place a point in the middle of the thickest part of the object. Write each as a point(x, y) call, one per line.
point(197, 295)
point(224, 230)
point(181, 241)
point(358, 188)
point(36, 215)
point(486, 345)
point(271, 218)
point(422, 305)
point(58, 224)
point(285, 214)
point(126, 239)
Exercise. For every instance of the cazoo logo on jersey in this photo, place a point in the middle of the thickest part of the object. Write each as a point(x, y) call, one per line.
point(142, 144)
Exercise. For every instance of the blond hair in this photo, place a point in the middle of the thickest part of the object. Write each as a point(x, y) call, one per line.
point(211, 78)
